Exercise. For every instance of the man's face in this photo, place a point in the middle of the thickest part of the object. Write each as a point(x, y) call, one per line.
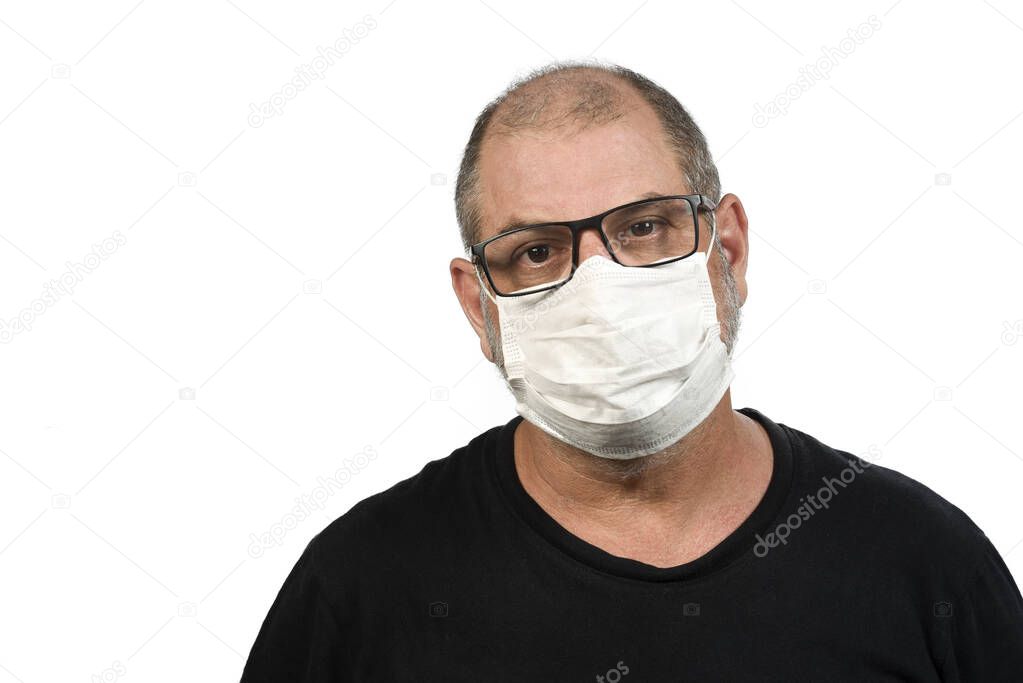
point(565, 174)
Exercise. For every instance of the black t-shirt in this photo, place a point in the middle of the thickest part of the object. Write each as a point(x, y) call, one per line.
point(845, 571)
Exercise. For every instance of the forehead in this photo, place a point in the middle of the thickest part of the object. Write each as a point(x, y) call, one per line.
point(532, 176)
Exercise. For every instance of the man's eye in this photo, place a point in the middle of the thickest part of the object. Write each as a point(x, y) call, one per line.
point(641, 229)
point(539, 253)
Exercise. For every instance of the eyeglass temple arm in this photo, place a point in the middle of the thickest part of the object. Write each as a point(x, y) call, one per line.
point(707, 202)
point(710, 204)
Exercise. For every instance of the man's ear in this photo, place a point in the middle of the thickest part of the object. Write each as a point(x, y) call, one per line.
point(733, 233)
point(467, 288)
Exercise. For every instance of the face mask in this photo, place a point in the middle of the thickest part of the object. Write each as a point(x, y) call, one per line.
point(620, 361)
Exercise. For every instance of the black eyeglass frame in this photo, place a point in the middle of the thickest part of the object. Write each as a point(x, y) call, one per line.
point(696, 202)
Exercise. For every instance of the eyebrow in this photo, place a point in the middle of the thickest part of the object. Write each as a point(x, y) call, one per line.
point(515, 222)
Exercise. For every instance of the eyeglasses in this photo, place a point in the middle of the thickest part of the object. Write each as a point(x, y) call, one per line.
point(645, 233)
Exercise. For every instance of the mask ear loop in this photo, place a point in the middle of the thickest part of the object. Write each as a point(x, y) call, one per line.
point(713, 232)
point(483, 286)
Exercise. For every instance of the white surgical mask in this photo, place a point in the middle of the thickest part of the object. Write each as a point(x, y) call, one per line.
point(620, 361)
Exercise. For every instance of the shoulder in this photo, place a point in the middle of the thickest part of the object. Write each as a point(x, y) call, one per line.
point(886, 508)
point(415, 513)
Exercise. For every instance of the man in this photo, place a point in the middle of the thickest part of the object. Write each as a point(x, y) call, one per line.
point(628, 524)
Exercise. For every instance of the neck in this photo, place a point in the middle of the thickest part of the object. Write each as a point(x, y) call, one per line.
point(664, 508)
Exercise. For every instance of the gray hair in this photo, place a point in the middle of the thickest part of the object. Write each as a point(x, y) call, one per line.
point(580, 93)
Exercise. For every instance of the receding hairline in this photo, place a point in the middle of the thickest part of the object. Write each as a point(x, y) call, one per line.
point(567, 97)
point(573, 98)
point(564, 110)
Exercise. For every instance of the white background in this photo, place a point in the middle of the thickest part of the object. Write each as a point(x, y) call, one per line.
point(884, 314)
